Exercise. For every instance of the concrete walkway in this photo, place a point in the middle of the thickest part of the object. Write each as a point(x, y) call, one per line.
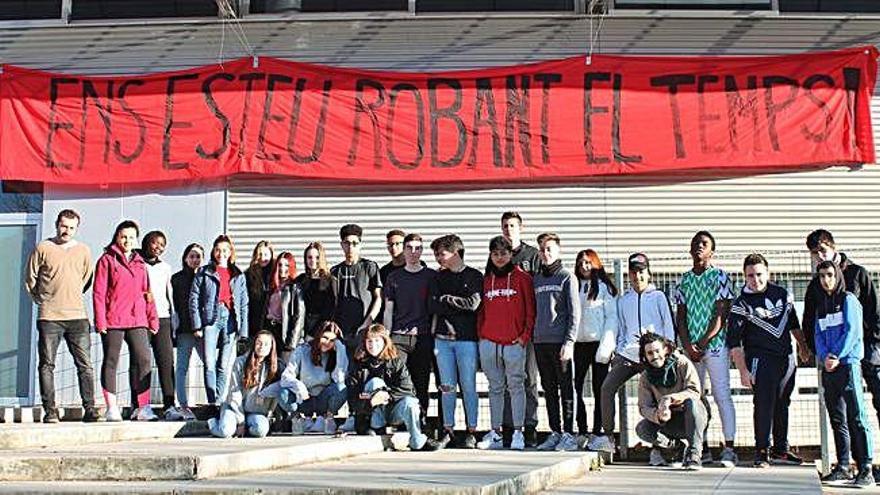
point(640, 479)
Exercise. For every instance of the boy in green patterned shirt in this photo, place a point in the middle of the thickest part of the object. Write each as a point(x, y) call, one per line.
point(703, 298)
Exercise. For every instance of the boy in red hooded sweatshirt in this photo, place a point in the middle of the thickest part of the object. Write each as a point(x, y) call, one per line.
point(505, 324)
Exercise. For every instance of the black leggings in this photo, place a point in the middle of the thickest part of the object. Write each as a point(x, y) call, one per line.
point(163, 353)
point(139, 363)
point(584, 359)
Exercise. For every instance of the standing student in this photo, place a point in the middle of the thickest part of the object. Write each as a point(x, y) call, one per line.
point(313, 383)
point(505, 323)
point(359, 296)
point(258, 276)
point(526, 257)
point(857, 281)
point(59, 271)
point(124, 310)
point(596, 337)
point(642, 309)
point(394, 240)
point(838, 339)
point(558, 312)
point(319, 287)
point(159, 273)
point(703, 298)
point(218, 306)
point(380, 391)
point(406, 314)
point(252, 392)
point(453, 300)
point(759, 329)
point(186, 337)
point(285, 306)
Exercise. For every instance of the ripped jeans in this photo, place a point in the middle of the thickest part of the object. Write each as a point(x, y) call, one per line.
point(457, 362)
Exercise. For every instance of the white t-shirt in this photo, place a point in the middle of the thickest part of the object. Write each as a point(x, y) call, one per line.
point(160, 286)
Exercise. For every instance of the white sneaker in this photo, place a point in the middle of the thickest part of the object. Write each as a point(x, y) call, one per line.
point(519, 441)
point(728, 457)
point(113, 415)
point(297, 425)
point(348, 426)
point(491, 441)
point(307, 424)
point(551, 442)
point(329, 426)
point(567, 443)
point(317, 425)
point(656, 458)
point(174, 414)
point(602, 443)
point(187, 414)
point(144, 414)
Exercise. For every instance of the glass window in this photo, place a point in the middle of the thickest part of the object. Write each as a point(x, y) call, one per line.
point(21, 197)
point(121, 9)
point(30, 9)
point(493, 5)
point(16, 243)
point(281, 6)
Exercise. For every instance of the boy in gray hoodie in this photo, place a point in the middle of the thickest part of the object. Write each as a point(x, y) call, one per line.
point(558, 312)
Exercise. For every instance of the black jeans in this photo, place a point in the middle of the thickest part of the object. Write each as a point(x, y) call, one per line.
point(848, 414)
point(871, 374)
point(774, 383)
point(557, 382)
point(79, 343)
point(163, 353)
point(688, 422)
point(419, 353)
point(139, 365)
point(585, 359)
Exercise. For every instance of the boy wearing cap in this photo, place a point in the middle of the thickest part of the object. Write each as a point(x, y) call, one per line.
point(642, 309)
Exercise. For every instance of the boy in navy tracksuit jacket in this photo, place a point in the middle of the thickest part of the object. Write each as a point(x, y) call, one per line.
point(838, 339)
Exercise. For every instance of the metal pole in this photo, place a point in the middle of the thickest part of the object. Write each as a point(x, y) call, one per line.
point(622, 416)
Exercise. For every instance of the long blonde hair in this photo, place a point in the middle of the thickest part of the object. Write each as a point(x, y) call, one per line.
point(256, 253)
point(323, 270)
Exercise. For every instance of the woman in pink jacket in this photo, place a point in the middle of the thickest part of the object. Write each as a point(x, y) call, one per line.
point(124, 310)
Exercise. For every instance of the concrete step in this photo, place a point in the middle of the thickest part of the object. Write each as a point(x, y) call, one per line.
point(177, 458)
point(21, 436)
point(447, 472)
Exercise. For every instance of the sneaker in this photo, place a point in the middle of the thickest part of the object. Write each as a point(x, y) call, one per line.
point(692, 465)
point(656, 458)
point(51, 416)
point(447, 438)
point(212, 425)
point(329, 426)
point(582, 441)
point(518, 442)
point(837, 475)
point(431, 445)
point(112, 415)
point(91, 415)
point(707, 456)
point(187, 414)
point(729, 458)
point(786, 459)
point(567, 443)
point(491, 441)
point(297, 425)
point(144, 414)
point(173, 414)
point(602, 443)
point(469, 441)
point(531, 437)
point(348, 425)
point(317, 425)
point(551, 442)
point(864, 479)
point(762, 459)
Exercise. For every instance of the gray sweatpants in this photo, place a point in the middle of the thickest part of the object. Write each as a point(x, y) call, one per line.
point(687, 423)
point(622, 369)
point(505, 368)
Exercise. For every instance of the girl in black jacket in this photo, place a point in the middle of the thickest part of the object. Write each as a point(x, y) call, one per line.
point(184, 336)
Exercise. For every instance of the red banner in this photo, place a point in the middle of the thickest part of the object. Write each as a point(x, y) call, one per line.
point(550, 120)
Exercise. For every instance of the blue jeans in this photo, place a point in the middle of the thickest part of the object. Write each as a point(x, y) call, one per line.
point(218, 362)
point(330, 400)
point(186, 342)
point(457, 361)
point(256, 425)
point(404, 411)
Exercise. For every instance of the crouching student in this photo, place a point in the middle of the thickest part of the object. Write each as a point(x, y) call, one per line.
point(380, 391)
point(670, 402)
point(838, 338)
point(253, 389)
point(313, 384)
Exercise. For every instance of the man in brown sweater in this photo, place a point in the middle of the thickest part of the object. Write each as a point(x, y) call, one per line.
point(59, 271)
point(670, 400)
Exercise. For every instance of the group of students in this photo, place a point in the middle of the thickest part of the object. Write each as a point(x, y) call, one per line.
point(370, 337)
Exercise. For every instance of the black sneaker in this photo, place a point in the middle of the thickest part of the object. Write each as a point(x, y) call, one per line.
point(786, 458)
point(762, 459)
point(447, 438)
point(51, 416)
point(864, 479)
point(876, 470)
point(431, 445)
point(90, 415)
point(531, 436)
point(837, 475)
point(469, 441)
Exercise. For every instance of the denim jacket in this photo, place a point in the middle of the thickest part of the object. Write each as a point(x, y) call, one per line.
point(204, 303)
